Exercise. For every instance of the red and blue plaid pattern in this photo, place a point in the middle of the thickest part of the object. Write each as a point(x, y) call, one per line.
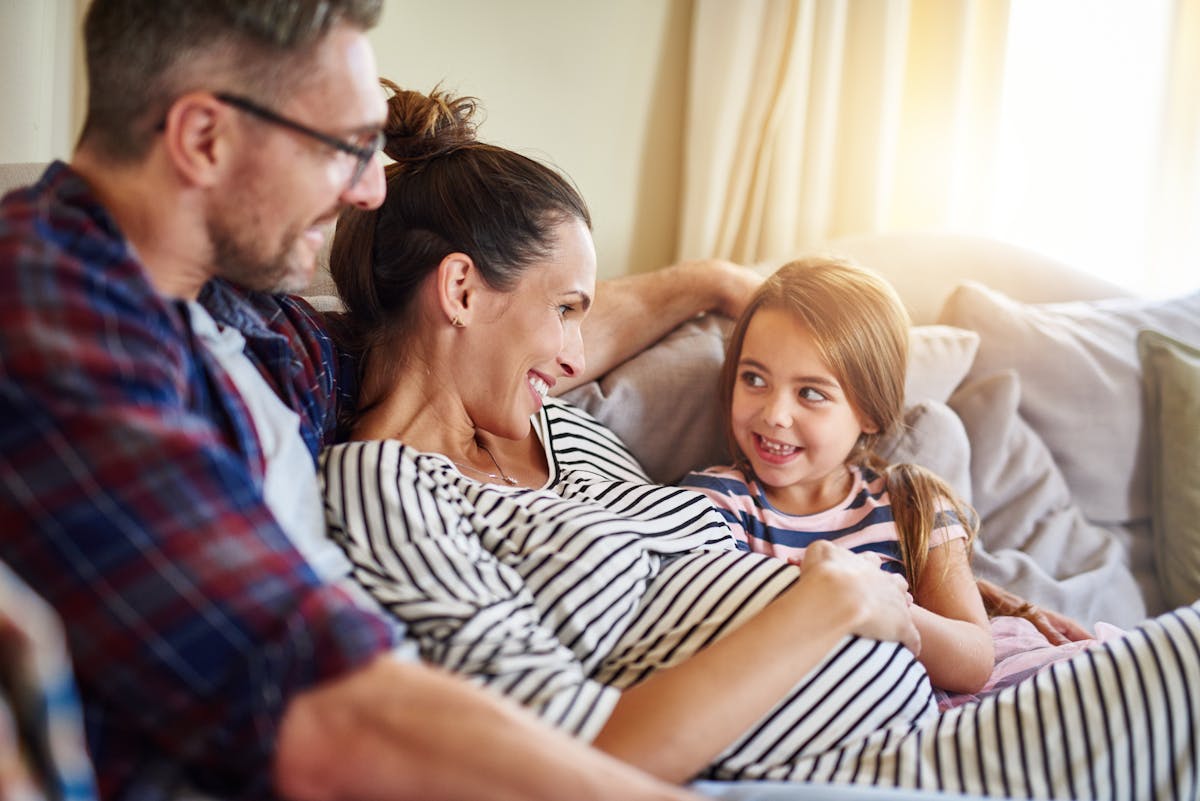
point(130, 499)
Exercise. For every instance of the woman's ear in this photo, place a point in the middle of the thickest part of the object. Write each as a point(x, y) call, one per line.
point(457, 288)
point(195, 134)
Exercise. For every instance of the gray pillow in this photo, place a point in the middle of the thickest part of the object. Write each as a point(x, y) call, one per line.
point(1080, 383)
point(1033, 539)
point(933, 436)
point(663, 402)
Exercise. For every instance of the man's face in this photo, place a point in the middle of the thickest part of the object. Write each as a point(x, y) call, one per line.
point(271, 220)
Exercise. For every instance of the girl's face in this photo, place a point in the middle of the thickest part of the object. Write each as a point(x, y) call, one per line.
point(790, 416)
point(531, 337)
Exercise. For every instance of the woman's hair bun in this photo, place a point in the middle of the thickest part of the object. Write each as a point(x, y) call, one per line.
point(420, 127)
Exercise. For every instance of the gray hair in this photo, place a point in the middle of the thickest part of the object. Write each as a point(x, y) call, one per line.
point(143, 54)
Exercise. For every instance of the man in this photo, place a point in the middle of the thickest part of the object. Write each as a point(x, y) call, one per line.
point(162, 411)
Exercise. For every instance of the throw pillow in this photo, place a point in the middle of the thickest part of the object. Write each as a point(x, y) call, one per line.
point(939, 358)
point(933, 437)
point(1032, 538)
point(663, 402)
point(1080, 382)
point(1171, 382)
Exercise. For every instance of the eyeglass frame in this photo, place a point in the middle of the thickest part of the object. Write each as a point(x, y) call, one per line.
point(362, 154)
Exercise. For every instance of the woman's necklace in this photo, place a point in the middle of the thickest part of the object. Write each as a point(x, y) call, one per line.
point(503, 476)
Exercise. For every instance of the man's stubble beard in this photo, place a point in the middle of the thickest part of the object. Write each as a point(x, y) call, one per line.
point(245, 264)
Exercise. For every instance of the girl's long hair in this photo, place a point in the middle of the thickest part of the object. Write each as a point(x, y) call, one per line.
point(861, 331)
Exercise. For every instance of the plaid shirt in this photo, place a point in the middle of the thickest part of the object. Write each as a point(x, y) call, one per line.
point(130, 498)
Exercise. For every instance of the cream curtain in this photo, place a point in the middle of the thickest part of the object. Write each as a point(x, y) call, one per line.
point(808, 119)
point(1174, 218)
point(813, 119)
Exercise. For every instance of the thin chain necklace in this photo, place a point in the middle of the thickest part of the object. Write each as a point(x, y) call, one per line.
point(503, 476)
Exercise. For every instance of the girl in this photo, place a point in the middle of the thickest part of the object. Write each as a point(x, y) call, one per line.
point(813, 378)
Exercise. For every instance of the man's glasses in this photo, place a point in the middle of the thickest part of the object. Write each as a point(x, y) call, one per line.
point(363, 154)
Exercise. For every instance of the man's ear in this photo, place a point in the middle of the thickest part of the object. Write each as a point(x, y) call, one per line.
point(196, 137)
point(458, 285)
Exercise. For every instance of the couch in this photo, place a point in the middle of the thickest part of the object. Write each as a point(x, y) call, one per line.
point(1066, 409)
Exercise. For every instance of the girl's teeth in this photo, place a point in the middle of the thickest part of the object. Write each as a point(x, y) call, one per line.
point(777, 448)
point(539, 386)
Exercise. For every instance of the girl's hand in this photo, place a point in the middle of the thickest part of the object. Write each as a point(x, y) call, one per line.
point(1058, 629)
point(879, 601)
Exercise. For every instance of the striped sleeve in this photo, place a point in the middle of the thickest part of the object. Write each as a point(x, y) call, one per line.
point(730, 497)
point(581, 442)
point(416, 550)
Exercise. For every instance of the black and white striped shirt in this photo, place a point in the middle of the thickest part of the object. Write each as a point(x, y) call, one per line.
point(561, 597)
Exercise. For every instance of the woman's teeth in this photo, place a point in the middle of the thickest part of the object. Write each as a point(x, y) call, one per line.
point(539, 386)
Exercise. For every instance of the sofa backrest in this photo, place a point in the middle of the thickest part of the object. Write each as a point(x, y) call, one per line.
point(924, 267)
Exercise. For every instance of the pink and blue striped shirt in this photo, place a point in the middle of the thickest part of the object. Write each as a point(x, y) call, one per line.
point(861, 522)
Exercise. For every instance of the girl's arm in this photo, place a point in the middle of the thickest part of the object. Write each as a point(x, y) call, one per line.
point(956, 639)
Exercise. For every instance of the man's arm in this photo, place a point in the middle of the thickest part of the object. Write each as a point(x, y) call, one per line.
point(404, 730)
point(189, 615)
point(635, 311)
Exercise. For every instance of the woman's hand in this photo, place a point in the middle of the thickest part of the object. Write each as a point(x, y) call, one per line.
point(878, 601)
point(1058, 629)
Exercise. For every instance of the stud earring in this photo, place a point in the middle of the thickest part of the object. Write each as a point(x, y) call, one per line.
point(457, 322)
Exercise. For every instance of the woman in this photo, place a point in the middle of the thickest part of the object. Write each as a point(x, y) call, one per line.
point(549, 569)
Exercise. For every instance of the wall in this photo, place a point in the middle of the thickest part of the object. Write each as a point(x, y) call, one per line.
point(39, 75)
point(597, 89)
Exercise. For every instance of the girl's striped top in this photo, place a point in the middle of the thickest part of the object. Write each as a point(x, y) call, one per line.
point(861, 522)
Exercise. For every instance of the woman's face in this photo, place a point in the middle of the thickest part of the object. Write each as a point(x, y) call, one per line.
point(529, 338)
point(790, 416)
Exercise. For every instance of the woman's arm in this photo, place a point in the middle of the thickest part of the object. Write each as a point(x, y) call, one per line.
point(956, 639)
point(635, 311)
point(674, 723)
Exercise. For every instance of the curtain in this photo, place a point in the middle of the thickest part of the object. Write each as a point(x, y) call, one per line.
point(808, 119)
point(1071, 127)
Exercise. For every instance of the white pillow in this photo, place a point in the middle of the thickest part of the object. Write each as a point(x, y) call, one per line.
point(1080, 382)
point(939, 358)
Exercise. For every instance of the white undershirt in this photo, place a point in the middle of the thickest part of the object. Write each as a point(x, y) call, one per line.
point(290, 487)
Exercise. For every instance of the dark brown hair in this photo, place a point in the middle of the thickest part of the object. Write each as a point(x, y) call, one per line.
point(447, 193)
point(143, 54)
point(860, 328)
